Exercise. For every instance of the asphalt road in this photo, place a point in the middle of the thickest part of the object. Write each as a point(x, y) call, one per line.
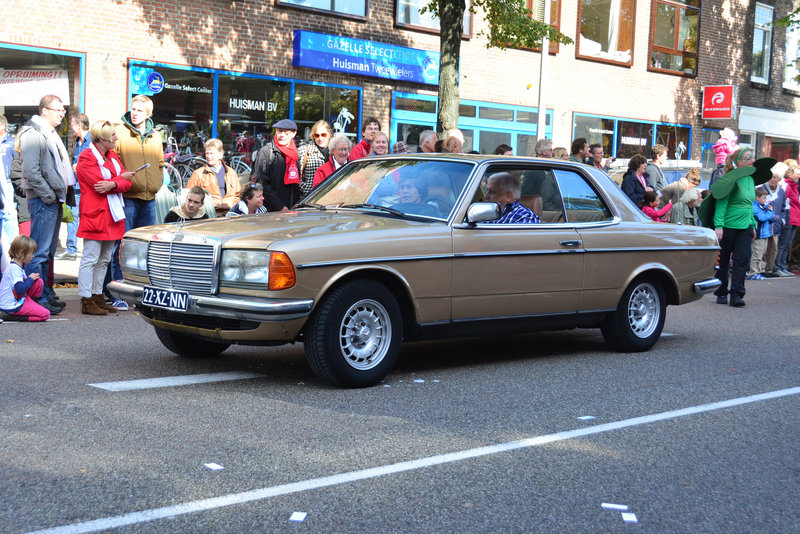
point(480, 435)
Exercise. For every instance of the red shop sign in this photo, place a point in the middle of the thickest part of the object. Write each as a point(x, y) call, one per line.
point(719, 102)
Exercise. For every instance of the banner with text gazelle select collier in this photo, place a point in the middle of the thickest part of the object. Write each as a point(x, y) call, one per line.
point(367, 58)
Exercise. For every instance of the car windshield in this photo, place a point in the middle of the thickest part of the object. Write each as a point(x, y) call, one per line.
point(419, 187)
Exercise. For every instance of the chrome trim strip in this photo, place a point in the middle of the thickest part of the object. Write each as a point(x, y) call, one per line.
point(706, 286)
point(650, 249)
point(387, 259)
point(522, 316)
point(438, 257)
point(227, 307)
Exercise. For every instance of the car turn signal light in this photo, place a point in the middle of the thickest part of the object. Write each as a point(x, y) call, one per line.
point(281, 271)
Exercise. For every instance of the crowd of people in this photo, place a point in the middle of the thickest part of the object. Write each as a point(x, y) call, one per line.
point(109, 186)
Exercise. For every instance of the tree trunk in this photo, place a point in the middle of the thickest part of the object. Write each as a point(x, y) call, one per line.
point(451, 19)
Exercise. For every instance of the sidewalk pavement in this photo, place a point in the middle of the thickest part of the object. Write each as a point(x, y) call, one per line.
point(66, 271)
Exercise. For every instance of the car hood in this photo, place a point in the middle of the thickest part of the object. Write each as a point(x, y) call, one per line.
point(260, 231)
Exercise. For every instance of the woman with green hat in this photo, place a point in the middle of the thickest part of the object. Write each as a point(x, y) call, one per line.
point(731, 215)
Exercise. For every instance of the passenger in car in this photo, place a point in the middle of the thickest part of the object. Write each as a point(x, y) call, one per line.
point(505, 189)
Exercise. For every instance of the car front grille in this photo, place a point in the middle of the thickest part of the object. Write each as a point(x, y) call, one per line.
point(183, 266)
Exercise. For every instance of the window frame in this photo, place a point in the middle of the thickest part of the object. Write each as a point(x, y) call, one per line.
point(466, 35)
point(554, 47)
point(677, 4)
point(327, 12)
point(578, 54)
point(767, 50)
point(789, 72)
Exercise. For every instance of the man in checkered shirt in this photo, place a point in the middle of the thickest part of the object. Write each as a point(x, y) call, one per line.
point(505, 189)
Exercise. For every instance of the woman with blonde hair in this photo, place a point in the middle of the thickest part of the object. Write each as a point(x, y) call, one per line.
point(312, 155)
point(103, 179)
point(380, 145)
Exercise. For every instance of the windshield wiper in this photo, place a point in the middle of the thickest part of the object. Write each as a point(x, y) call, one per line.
point(320, 207)
point(377, 207)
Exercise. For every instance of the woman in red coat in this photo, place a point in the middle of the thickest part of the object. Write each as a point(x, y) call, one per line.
point(102, 179)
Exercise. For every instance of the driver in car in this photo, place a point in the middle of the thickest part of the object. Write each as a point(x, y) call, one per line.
point(505, 189)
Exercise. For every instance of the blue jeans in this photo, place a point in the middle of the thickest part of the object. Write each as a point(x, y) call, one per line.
point(45, 223)
point(784, 246)
point(72, 228)
point(137, 213)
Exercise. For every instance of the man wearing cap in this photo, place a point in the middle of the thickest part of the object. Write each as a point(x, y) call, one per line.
point(276, 168)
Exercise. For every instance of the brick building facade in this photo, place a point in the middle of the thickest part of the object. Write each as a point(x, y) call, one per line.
point(633, 77)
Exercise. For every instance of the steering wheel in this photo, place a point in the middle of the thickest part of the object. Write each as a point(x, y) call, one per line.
point(442, 203)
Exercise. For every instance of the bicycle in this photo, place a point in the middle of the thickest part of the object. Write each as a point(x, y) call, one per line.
point(239, 164)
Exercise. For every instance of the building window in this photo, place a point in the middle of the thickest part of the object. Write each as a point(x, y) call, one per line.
point(792, 69)
point(606, 30)
point(674, 30)
point(537, 10)
point(337, 105)
point(355, 8)
point(762, 39)
point(407, 13)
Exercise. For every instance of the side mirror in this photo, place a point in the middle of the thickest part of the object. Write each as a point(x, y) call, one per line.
point(483, 212)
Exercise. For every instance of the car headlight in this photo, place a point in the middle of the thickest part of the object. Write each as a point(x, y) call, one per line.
point(133, 256)
point(245, 266)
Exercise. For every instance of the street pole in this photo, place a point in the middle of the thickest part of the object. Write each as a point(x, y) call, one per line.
point(540, 125)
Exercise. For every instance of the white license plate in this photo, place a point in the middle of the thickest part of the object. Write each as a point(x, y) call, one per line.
point(165, 298)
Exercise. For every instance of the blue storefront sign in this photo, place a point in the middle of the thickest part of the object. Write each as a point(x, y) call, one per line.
point(368, 58)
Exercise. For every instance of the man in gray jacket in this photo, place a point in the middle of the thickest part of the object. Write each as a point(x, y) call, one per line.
point(46, 174)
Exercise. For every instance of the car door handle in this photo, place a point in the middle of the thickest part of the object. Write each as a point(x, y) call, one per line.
point(572, 243)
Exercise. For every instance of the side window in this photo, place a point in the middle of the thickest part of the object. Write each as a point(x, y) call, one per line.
point(581, 201)
point(538, 191)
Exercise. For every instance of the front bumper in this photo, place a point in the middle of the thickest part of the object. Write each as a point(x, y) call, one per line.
point(242, 308)
point(706, 286)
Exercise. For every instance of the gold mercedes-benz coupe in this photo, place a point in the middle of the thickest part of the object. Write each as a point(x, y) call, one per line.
point(398, 248)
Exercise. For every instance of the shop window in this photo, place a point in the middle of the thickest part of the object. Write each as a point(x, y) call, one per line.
point(496, 114)
point(675, 138)
point(674, 29)
point(337, 105)
point(469, 140)
point(252, 105)
point(31, 75)
point(596, 130)
point(415, 104)
point(354, 8)
point(762, 41)
point(708, 158)
point(407, 13)
point(634, 138)
point(531, 117)
point(491, 140)
point(182, 103)
point(607, 30)
point(465, 110)
point(409, 134)
point(525, 145)
point(792, 69)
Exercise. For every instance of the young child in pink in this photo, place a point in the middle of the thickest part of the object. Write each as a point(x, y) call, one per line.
point(650, 207)
point(18, 291)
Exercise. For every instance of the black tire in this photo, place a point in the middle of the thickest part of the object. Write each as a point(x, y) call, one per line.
point(189, 347)
point(342, 356)
point(637, 323)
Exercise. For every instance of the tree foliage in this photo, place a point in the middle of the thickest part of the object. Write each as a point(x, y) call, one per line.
point(510, 25)
point(790, 21)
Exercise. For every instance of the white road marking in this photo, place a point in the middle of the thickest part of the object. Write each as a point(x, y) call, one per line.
point(298, 516)
point(213, 466)
point(169, 381)
point(212, 503)
point(610, 506)
point(629, 517)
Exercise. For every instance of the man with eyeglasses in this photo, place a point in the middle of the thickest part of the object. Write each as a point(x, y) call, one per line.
point(46, 175)
point(276, 168)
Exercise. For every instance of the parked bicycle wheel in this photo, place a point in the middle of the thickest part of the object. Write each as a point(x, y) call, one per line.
point(174, 177)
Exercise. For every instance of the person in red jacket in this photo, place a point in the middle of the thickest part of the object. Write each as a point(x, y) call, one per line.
point(361, 150)
point(339, 148)
point(102, 179)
